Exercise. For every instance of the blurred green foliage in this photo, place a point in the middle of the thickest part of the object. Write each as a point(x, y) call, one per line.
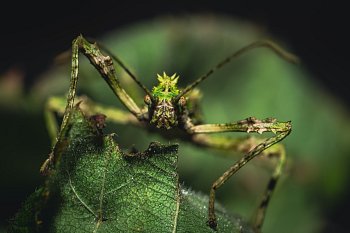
point(258, 84)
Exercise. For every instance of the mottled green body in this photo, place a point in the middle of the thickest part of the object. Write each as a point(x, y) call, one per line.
point(164, 107)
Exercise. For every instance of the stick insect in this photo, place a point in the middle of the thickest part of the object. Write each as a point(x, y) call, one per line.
point(168, 108)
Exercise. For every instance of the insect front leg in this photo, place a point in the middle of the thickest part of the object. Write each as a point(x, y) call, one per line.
point(280, 129)
point(105, 67)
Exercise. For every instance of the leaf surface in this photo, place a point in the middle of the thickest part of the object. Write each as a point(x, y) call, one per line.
point(95, 187)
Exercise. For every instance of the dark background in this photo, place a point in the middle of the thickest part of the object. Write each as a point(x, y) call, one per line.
point(32, 35)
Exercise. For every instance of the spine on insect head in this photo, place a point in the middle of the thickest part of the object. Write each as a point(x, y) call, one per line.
point(163, 110)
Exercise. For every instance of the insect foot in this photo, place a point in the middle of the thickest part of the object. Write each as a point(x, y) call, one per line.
point(99, 122)
point(212, 224)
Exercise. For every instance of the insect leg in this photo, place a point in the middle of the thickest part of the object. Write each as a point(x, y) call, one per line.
point(105, 67)
point(244, 145)
point(258, 218)
point(281, 130)
point(57, 105)
point(257, 44)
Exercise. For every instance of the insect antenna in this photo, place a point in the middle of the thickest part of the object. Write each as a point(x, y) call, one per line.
point(263, 43)
point(115, 58)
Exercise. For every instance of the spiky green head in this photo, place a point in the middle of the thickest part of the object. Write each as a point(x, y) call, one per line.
point(166, 88)
point(163, 109)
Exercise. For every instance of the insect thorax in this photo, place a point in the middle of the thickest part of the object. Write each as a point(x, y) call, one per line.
point(163, 110)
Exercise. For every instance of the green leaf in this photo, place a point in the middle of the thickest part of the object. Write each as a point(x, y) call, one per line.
point(95, 187)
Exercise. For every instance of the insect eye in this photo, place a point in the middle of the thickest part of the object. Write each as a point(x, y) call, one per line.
point(182, 101)
point(147, 100)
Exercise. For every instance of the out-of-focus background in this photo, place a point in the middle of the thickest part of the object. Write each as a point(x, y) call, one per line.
point(189, 39)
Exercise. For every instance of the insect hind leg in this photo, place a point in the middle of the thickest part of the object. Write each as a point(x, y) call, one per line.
point(259, 216)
